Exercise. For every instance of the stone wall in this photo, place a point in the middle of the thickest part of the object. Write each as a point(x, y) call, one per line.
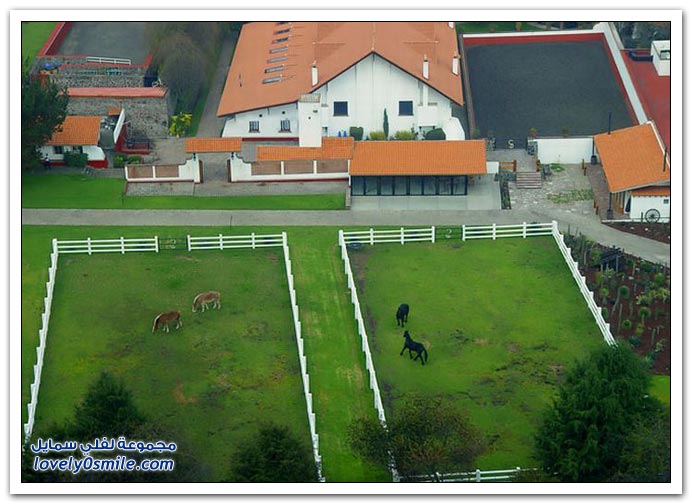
point(75, 71)
point(148, 117)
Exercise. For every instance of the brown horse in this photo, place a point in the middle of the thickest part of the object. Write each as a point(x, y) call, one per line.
point(205, 299)
point(163, 319)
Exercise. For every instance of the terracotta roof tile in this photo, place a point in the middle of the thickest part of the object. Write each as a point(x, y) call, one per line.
point(335, 46)
point(422, 157)
point(121, 92)
point(114, 111)
point(632, 158)
point(652, 191)
point(77, 130)
point(214, 144)
point(332, 148)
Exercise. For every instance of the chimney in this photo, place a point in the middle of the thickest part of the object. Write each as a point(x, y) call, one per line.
point(455, 63)
point(426, 67)
point(314, 73)
point(451, 24)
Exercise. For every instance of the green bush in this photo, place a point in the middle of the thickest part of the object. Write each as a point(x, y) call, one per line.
point(76, 159)
point(377, 135)
point(356, 132)
point(404, 135)
point(119, 161)
point(626, 324)
point(435, 134)
point(635, 341)
point(134, 159)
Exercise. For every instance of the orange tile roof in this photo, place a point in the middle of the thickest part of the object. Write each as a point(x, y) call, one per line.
point(77, 130)
point(117, 92)
point(421, 157)
point(335, 47)
point(214, 144)
point(652, 191)
point(332, 148)
point(632, 158)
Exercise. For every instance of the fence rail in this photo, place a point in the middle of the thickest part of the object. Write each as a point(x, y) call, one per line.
point(303, 360)
point(121, 245)
point(222, 242)
point(476, 476)
point(401, 235)
point(115, 61)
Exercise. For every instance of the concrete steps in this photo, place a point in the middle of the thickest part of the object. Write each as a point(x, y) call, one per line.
point(529, 180)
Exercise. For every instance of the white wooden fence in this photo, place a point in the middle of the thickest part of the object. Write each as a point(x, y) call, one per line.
point(401, 235)
point(122, 245)
point(494, 231)
point(583, 288)
point(222, 242)
point(477, 476)
point(303, 361)
point(42, 335)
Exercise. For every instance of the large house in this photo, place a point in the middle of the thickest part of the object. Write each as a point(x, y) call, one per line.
point(307, 80)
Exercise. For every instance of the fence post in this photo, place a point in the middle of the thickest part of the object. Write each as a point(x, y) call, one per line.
point(189, 244)
point(252, 235)
point(494, 231)
point(122, 245)
point(402, 236)
point(463, 232)
point(372, 236)
point(432, 229)
point(523, 234)
point(156, 243)
point(220, 241)
point(478, 475)
point(89, 245)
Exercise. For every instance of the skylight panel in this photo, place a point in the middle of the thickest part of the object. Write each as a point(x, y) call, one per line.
point(271, 79)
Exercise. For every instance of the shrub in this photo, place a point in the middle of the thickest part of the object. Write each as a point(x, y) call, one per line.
point(404, 135)
point(134, 159)
point(644, 312)
point(475, 133)
point(627, 324)
point(356, 132)
point(76, 159)
point(119, 160)
point(377, 135)
point(635, 341)
point(624, 292)
point(435, 134)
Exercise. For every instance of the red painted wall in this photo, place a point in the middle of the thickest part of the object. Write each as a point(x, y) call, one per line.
point(55, 38)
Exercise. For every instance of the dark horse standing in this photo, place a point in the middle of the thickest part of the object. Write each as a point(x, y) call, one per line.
point(414, 346)
point(401, 315)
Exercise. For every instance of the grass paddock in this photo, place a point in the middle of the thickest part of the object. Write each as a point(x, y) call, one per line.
point(208, 383)
point(502, 321)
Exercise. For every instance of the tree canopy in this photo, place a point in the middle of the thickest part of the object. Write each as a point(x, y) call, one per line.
point(425, 436)
point(273, 455)
point(44, 108)
point(583, 435)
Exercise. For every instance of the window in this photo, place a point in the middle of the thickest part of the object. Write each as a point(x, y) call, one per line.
point(279, 40)
point(279, 32)
point(78, 148)
point(271, 79)
point(278, 50)
point(254, 126)
point(279, 23)
point(57, 149)
point(405, 108)
point(285, 125)
point(114, 71)
point(666, 201)
point(273, 69)
point(340, 108)
point(276, 59)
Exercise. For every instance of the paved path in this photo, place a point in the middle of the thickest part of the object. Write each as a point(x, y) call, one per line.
point(210, 125)
point(648, 249)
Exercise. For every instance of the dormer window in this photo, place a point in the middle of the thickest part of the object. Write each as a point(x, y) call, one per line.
point(278, 50)
point(273, 69)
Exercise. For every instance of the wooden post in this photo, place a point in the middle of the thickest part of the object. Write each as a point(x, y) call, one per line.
point(514, 166)
point(122, 245)
point(89, 245)
point(372, 236)
point(463, 232)
point(402, 236)
point(432, 230)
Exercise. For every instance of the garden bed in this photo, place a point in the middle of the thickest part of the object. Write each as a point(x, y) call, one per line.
point(653, 231)
point(635, 299)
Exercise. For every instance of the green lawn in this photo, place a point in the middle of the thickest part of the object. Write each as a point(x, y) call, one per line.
point(209, 383)
point(660, 389)
point(502, 320)
point(34, 35)
point(335, 362)
point(81, 191)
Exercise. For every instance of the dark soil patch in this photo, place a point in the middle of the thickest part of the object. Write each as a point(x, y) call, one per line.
point(654, 231)
point(635, 300)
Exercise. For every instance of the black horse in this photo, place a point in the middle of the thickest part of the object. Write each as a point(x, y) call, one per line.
point(414, 346)
point(401, 315)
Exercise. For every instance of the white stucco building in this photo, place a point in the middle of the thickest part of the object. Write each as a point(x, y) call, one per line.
point(315, 79)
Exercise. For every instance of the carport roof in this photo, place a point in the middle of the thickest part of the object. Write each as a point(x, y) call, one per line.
point(213, 144)
point(632, 158)
point(422, 157)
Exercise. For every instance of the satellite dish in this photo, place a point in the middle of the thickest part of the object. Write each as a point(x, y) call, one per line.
point(652, 215)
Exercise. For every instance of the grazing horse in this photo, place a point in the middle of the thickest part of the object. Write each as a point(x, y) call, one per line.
point(401, 315)
point(414, 346)
point(205, 299)
point(163, 319)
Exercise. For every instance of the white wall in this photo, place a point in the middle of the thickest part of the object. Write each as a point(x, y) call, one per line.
point(662, 65)
point(242, 172)
point(94, 152)
point(310, 124)
point(270, 122)
point(640, 205)
point(564, 150)
point(373, 85)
